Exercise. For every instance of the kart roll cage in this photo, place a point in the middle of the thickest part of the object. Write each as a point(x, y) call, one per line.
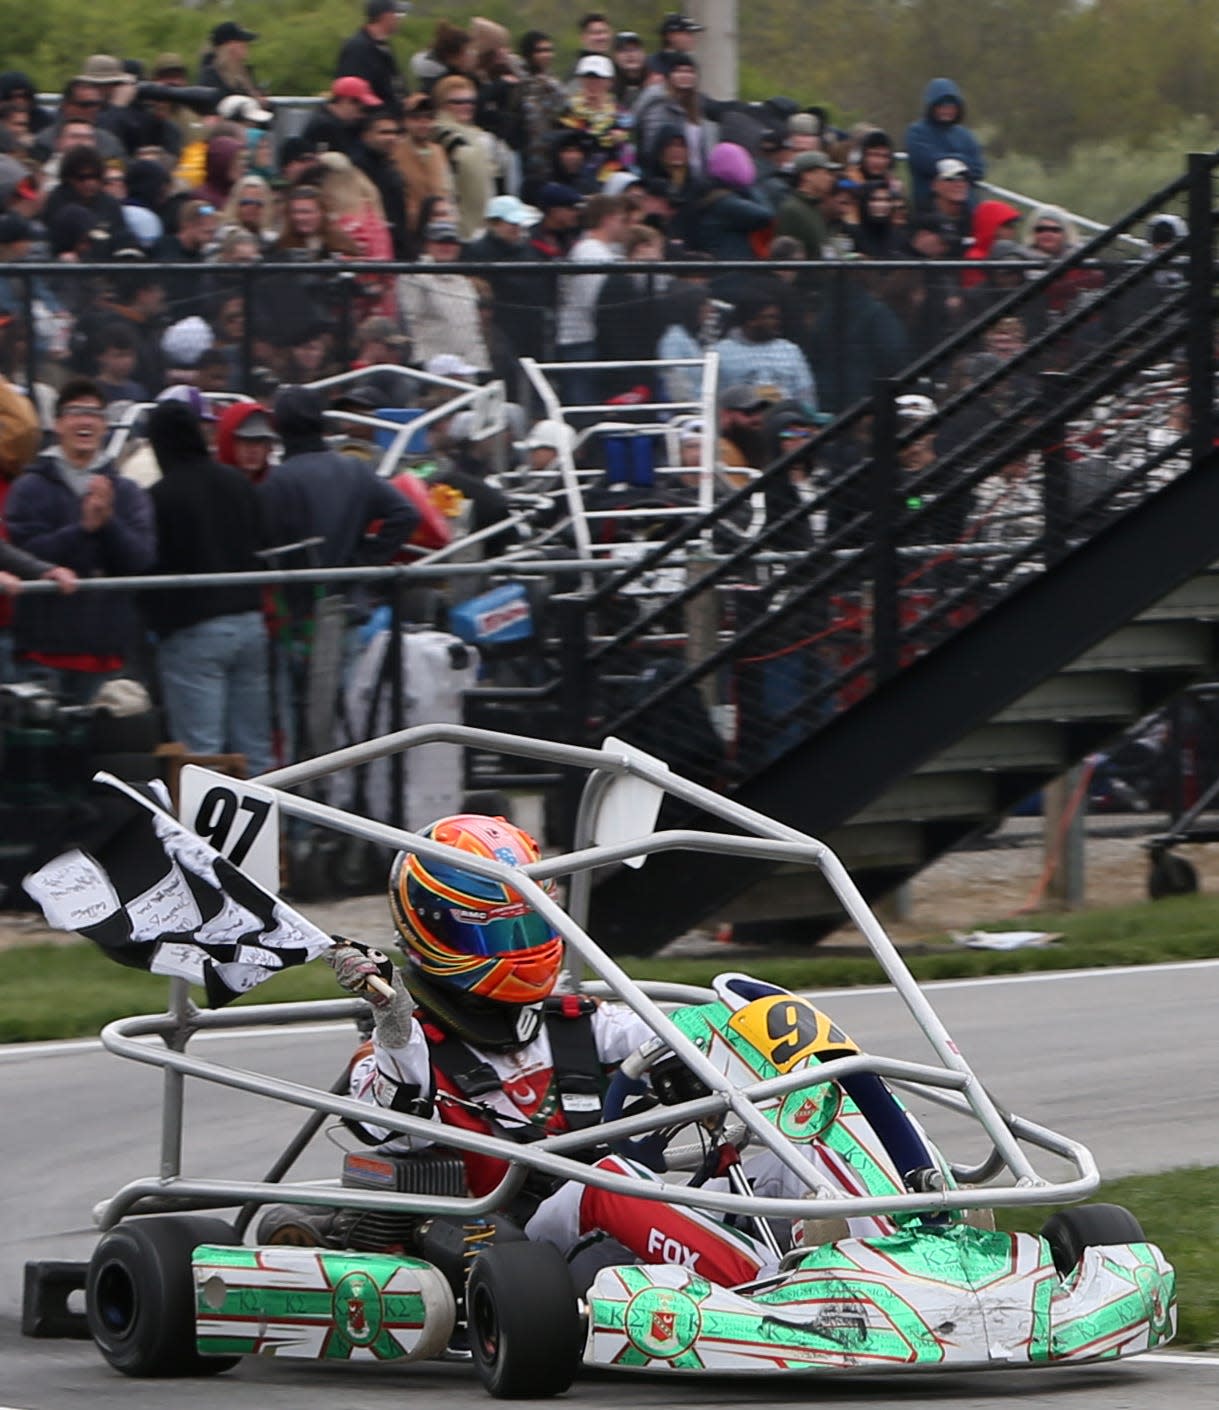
point(619, 804)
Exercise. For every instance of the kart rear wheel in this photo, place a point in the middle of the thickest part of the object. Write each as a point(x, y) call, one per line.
point(140, 1295)
point(1070, 1231)
point(523, 1321)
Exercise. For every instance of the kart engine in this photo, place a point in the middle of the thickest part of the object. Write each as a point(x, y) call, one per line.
point(424, 1173)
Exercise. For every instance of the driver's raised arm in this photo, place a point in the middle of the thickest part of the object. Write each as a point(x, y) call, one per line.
point(396, 1072)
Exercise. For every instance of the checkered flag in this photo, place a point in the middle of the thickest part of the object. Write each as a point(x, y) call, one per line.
point(155, 896)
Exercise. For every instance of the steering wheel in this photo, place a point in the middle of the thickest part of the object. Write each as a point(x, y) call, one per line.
point(650, 1076)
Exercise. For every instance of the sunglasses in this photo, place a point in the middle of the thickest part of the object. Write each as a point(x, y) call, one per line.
point(251, 201)
point(84, 413)
point(1047, 229)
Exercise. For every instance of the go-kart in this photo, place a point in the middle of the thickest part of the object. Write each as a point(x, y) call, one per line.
point(889, 1260)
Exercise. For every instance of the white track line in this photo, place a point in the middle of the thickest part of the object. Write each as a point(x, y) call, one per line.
point(1039, 976)
point(15, 1052)
point(1183, 1358)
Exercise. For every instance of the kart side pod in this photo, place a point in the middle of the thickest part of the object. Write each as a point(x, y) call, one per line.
point(319, 1304)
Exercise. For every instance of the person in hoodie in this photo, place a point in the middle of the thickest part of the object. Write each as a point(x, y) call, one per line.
point(723, 219)
point(245, 440)
point(874, 235)
point(225, 165)
point(940, 133)
point(211, 642)
point(72, 508)
point(992, 221)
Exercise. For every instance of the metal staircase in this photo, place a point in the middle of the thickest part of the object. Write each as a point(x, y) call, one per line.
point(924, 632)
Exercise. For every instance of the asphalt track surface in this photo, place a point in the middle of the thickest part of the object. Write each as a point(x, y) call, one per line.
point(1099, 1056)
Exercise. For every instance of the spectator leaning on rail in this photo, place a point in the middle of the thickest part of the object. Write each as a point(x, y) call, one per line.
point(940, 133)
point(19, 440)
point(71, 507)
point(211, 642)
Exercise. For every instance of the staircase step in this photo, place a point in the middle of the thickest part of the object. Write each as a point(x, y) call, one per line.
point(1196, 600)
point(931, 797)
point(800, 891)
point(1013, 747)
point(1156, 645)
point(1095, 695)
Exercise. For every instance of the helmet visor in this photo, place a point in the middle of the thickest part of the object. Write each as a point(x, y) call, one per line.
point(501, 928)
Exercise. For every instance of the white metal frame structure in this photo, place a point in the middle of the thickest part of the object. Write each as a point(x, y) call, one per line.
point(949, 1081)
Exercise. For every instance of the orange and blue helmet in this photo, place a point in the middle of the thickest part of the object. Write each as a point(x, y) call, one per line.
point(469, 932)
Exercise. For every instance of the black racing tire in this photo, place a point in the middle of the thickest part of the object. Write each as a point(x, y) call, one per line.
point(1070, 1231)
point(523, 1320)
point(1171, 876)
point(140, 1295)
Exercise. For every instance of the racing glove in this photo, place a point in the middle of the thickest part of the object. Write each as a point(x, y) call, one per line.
point(354, 964)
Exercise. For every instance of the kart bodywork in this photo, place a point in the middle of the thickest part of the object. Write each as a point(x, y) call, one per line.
point(935, 1288)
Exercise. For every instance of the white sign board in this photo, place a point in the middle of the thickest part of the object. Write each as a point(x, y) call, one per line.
point(240, 820)
point(629, 806)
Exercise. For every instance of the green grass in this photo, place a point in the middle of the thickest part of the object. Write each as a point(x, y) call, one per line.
point(54, 991)
point(1179, 1213)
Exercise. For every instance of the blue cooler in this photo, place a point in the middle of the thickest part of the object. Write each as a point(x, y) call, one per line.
point(384, 437)
point(630, 460)
point(495, 618)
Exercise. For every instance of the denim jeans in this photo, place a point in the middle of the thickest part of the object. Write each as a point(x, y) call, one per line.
point(217, 687)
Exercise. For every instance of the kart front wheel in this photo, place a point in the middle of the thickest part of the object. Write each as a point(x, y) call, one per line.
point(140, 1295)
point(1070, 1231)
point(523, 1321)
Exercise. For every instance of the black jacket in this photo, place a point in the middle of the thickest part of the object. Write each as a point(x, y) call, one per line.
point(365, 57)
point(521, 299)
point(209, 520)
point(43, 516)
point(385, 176)
point(329, 133)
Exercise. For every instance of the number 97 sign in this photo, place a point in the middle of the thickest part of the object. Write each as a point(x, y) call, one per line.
point(240, 820)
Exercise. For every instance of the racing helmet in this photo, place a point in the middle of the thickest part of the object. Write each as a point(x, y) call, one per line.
point(468, 933)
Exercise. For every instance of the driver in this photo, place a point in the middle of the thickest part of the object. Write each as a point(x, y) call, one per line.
point(477, 1036)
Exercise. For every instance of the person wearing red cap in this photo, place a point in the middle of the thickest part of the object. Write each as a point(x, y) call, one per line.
point(367, 54)
point(334, 127)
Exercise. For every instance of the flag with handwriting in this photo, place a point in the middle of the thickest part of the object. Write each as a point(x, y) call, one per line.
point(154, 895)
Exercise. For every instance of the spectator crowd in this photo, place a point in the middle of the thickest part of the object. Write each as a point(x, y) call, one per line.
point(210, 248)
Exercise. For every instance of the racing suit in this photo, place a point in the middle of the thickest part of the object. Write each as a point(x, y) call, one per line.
point(401, 1059)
